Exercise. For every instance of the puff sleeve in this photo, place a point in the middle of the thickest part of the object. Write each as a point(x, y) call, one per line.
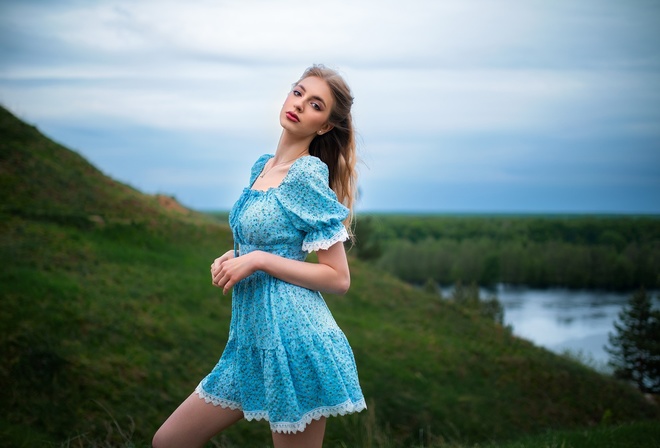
point(258, 167)
point(311, 205)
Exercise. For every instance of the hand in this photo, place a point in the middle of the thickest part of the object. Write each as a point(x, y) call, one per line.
point(228, 270)
point(217, 263)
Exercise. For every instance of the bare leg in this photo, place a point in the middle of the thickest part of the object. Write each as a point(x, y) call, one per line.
point(311, 437)
point(193, 424)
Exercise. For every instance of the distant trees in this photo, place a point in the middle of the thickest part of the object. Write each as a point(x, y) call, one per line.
point(617, 253)
point(469, 298)
point(635, 345)
point(368, 243)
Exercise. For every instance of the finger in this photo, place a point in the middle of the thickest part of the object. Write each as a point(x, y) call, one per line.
point(217, 276)
point(227, 287)
point(222, 277)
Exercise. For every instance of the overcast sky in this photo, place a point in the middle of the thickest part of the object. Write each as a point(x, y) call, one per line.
point(530, 106)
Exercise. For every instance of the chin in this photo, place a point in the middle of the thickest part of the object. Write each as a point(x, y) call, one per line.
point(286, 124)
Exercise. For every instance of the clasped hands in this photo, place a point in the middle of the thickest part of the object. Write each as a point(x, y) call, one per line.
point(228, 270)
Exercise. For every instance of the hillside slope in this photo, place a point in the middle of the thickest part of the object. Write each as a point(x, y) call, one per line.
point(40, 178)
point(109, 322)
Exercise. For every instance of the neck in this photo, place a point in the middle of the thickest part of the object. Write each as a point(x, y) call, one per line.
point(289, 147)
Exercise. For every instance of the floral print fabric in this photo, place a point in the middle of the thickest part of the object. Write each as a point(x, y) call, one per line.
point(286, 360)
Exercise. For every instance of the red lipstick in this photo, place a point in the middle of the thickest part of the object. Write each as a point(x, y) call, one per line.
point(293, 117)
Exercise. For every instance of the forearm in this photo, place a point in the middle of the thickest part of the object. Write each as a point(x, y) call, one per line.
point(315, 276)
point(330, 274)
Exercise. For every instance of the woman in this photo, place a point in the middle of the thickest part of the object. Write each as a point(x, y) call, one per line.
point(286, 360)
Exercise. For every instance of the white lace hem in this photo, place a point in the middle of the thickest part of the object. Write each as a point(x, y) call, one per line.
point(216, 401)
point(348, 407)
point(313, 246)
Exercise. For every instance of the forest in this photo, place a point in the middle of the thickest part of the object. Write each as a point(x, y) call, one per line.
point(571, 251)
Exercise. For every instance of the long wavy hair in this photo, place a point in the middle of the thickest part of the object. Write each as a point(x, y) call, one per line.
point(337, 147)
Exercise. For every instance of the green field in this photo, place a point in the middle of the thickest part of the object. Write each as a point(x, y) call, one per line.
point(109, 320)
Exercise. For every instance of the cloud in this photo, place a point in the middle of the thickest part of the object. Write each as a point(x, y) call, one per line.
point(493, 93)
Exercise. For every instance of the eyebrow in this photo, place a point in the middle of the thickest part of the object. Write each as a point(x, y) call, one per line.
point(318, 98)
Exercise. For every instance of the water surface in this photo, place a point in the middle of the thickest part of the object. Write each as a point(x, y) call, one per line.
point(562, 319)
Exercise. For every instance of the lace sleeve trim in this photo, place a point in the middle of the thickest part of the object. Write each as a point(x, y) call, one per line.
point(312, 246)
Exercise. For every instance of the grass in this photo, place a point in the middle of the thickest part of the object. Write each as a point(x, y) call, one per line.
point(631, 435)
point(109, 321)
point(635, 435)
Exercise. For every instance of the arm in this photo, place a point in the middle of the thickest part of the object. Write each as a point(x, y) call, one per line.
point(330, 274)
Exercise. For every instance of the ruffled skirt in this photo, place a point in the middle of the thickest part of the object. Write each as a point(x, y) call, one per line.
point(286, 360)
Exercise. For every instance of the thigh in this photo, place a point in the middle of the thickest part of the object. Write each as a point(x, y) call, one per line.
point(193, 423)
point(311, 437)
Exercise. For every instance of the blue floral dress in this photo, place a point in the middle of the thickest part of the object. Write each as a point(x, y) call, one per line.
point(286, 360)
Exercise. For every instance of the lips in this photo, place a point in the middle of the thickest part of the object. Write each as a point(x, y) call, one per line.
point(293, 117)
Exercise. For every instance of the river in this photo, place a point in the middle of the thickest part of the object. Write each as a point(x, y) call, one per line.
point(562, 319)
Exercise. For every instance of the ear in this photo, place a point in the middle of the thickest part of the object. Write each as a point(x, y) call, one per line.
point(326, 128)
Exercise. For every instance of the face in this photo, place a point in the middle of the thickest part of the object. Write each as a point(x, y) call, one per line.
point(307, 107)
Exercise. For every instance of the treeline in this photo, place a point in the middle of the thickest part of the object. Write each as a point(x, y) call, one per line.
point(596, 252)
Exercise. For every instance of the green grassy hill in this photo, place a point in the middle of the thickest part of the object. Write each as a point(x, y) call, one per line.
point(109, 320)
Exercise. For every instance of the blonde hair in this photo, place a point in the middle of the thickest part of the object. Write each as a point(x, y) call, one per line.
point(337, 148)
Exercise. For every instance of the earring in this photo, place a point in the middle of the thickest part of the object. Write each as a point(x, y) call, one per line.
point(320, 133)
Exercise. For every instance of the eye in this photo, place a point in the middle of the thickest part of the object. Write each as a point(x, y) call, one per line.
point(316, 106)
point(297, 93)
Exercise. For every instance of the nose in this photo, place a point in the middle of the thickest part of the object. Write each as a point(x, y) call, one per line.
point(298, 104)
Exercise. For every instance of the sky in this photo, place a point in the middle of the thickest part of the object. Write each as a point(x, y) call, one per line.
point(461, 106)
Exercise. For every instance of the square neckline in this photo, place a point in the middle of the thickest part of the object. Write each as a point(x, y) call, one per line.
point(284, 179)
